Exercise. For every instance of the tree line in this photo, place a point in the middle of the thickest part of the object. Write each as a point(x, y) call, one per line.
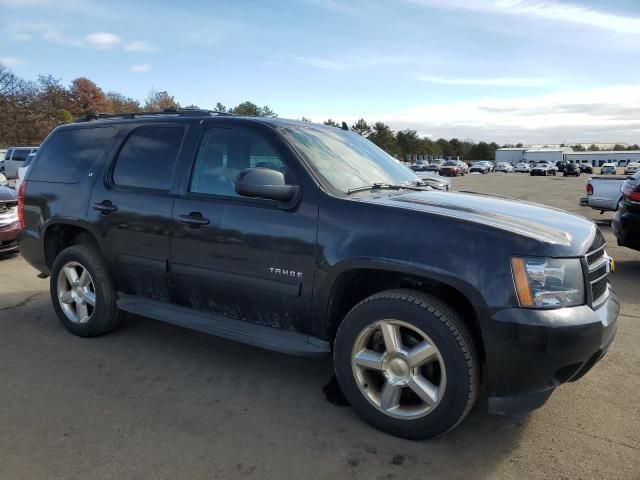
point(29, 110)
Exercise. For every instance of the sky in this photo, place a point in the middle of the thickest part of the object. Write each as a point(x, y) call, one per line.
point(531, 71)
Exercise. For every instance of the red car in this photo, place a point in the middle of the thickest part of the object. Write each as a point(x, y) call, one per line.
point(9, 225)
point(453, 168)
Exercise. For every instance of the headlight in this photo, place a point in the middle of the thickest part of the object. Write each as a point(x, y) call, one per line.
point(548, 282)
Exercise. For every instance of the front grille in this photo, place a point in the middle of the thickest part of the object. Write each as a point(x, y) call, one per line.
point(598, 265)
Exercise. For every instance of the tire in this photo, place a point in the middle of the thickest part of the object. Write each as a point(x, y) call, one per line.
point(454, 367)
point(99, 318)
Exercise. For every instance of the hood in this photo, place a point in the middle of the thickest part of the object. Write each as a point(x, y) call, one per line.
point(7, 194)
point(544, 224)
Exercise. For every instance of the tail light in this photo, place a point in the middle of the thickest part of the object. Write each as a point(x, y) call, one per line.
point(589, 189)
point(21, 192)
point(631, 191)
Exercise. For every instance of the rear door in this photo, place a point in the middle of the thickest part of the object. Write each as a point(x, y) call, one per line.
point(245, 258)
point(132, 205)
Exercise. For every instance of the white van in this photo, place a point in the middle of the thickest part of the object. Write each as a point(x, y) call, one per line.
point(14, 158)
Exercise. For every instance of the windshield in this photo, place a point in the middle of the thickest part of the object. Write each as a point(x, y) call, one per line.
point(345, 160)
point(451, 162)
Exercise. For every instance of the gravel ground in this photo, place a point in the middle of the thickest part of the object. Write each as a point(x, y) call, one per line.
point(156, 401)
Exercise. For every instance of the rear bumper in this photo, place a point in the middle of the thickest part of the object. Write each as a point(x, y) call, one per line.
point(32, 250)
point(531, 352)
point(8, 238)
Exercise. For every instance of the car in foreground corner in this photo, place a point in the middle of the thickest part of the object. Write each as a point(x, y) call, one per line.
point(9, 224)
point(310, 240)
point(626, 220)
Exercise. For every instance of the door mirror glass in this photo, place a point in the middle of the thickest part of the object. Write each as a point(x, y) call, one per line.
point(264, 183)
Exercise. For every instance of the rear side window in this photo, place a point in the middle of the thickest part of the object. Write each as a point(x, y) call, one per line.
point(148, 157)
point(20, 154)
point(67, 155)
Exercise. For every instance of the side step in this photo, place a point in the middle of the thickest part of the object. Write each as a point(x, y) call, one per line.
point(258, 335)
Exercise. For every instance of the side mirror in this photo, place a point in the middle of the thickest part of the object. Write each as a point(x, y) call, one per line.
point(264, 183)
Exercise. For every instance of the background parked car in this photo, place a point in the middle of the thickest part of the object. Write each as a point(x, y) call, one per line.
point(480, 167)
point(433, 167)
point(626, 221)
point(22, 171)
point(522, 168)
point(603, 193)
point(571, 169)
point(608, 169)
point(14, 159)
point(434, 180)
point(544, 168)
point(453, 168)
point(9, 225)
point(3, 152)
point(586, 168)
point(504, 167)
point(561, 166)
point(632, 168)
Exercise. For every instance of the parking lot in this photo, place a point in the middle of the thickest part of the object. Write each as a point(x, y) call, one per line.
point(155, 401)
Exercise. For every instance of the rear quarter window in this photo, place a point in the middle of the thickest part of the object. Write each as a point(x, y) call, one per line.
point(67, 155)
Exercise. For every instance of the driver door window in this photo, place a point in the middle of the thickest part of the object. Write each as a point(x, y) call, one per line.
point(223, 154)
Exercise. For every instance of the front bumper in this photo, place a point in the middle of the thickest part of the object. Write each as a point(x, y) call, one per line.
point(9, 238)
point(530, 352)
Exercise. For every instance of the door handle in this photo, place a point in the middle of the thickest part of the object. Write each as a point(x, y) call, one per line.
point(194, 219)
point(105, 207)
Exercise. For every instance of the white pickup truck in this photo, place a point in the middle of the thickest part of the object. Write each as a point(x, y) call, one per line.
point(603, 193)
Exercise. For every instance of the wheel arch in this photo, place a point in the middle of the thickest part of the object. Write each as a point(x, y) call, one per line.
point(61, 233)
point(362, 279)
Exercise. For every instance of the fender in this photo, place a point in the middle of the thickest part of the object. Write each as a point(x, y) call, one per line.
point(324, 288)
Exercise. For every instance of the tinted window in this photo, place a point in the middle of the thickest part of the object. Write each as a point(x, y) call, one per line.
point(67, 155)
point(224, 153)
point(148, 157)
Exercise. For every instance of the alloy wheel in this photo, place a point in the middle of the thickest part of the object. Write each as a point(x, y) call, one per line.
point(76, 292)
point(398, 369)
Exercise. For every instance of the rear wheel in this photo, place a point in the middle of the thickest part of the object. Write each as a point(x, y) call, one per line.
point(407, 364)
point(82, 293)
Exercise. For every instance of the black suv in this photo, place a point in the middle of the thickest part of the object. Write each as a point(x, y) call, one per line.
point(310, 240)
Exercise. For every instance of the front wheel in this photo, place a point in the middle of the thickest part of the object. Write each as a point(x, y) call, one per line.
point(407, 364)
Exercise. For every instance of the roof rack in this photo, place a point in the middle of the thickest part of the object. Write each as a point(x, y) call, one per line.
point(173, 112)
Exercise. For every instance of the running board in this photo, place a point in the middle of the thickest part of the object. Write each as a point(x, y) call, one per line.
point(250, 333)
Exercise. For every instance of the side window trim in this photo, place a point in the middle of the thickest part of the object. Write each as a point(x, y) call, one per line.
point(112, 165)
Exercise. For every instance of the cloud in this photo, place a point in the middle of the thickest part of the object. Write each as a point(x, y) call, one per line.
point(102, 39)
point(492, 82)
point(544, 10)
point(140, 46)
point(142, 68)
point(564, 116)
point(12, 61)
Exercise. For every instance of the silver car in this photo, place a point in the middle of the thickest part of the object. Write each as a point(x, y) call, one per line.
point(14, 158)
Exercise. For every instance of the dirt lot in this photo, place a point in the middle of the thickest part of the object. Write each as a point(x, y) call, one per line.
point(155, 401)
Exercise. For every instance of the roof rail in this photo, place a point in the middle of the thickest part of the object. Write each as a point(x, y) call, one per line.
point(174, 112)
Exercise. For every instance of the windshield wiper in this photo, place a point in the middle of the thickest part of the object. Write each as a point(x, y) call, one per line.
point(382, 186)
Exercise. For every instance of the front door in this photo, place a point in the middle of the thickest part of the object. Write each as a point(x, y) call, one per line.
point(243, 258)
